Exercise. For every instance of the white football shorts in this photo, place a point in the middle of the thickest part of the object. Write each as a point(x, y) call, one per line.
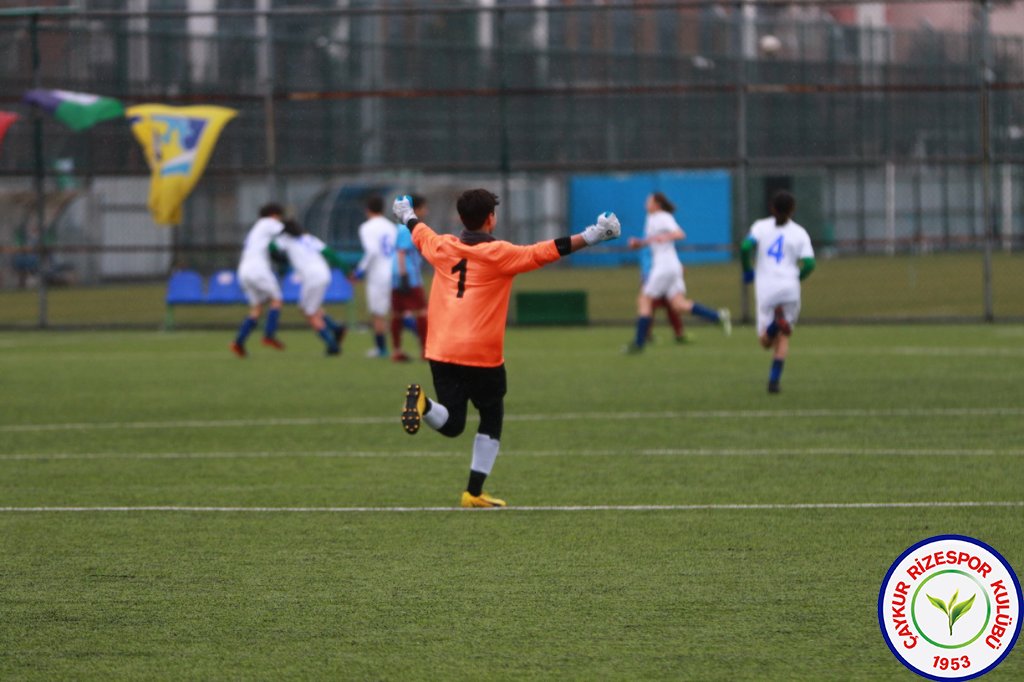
point(378, 297)
point(311, 296)
point(766, 313)
point(259, 285)
point(664, 284)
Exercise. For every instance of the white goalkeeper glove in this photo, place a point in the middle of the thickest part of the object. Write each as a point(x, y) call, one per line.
point(402, 208)
point(607, 227)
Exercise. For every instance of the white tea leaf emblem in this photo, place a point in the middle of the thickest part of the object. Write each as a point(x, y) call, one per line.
point(953, 611)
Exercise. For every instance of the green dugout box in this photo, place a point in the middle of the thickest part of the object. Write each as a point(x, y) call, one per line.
point(551, 308)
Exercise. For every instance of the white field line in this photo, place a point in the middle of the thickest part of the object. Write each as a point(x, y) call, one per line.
point(920, 351)
point(415, 454)
point(566, 416)
point(569, 508)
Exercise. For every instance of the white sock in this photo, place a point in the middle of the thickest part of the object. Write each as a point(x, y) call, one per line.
point(485, 451)
point(436, 416)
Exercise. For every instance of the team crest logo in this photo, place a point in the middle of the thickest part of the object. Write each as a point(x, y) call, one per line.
point(949, 608)
point(175, 141)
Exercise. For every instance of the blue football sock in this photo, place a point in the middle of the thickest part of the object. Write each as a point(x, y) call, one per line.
point(331, 324)
point(245, 329)
point(776, 372)
point(773, 330)
point(271, 328)
point(327, 336)
point(706, 313)
point(643, 325)
point(379, 340)
point(409, 323)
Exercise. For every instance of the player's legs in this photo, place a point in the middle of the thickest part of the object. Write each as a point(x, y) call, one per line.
point(722, 316)
point(419, 408)
point(775, 325)
point(258, 289)
point(773, 320)
point(676, 321)
point(644, 313)
point(270, 329)
point(655, 305)
point(259, 286)
point(397, 322)
point(324, 333)
point(659, 284)
point(378, 302)
point(781, 346)
point(311, 298)
point(487, 388)
point(248, 324)
point(447, 413)
point(765, 317)
point(398, 310)
point(338, 329)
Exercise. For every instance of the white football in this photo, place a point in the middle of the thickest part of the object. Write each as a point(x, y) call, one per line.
point(770, 44)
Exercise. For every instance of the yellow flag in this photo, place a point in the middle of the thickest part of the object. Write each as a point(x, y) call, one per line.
point(177, 142)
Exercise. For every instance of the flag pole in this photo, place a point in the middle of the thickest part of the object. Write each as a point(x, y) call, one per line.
point(40, 172)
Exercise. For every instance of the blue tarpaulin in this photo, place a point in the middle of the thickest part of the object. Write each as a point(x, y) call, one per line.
point(703, 202)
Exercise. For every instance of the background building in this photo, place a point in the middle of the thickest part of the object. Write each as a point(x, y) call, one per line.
point(879, 116)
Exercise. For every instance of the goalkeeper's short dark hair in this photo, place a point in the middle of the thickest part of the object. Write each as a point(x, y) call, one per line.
point(474, 206)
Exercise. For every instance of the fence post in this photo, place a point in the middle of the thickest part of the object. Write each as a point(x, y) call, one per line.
point(40, 171)
point(743, 22)
point(265, 67)
point(890, 207)
point(1007, 205)
point(986, 151)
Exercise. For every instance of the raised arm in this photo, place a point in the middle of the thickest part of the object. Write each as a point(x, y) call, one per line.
point(529, 257)
point(333, 259)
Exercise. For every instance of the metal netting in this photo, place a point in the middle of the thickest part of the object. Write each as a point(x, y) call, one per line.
point(899, 124)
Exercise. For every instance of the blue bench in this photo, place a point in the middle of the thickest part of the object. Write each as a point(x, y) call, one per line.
point(186, 287)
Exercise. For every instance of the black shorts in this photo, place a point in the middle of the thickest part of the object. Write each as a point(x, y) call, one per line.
point(485, 387)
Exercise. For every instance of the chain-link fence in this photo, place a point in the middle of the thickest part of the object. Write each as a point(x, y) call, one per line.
point(897, 126)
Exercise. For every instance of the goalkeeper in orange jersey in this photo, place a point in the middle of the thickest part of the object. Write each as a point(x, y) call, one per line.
point(473, 275)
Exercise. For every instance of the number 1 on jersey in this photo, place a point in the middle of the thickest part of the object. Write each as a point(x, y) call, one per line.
point(775, 250)
point(461, 268)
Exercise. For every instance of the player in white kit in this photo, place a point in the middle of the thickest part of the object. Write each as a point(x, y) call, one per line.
point(377, 236)
point(785, 257)
point(665, 280)
point(257, 279)
point(311, 259)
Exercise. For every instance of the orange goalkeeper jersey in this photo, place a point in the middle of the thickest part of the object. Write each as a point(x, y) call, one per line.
point(469, 295)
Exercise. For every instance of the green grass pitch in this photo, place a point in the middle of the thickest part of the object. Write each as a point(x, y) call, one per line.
point(735, 580)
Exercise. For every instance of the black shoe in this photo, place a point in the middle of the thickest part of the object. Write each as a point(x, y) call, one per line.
point(334, 350)
point(773, 387)
point(415, 406)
